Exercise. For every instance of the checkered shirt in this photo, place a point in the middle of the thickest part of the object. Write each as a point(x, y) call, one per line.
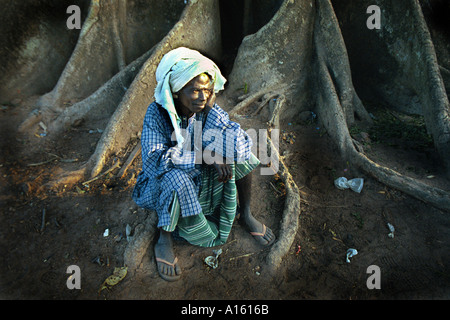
point(167, 167)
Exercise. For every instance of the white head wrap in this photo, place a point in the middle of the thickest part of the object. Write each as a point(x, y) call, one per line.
point(175, 70)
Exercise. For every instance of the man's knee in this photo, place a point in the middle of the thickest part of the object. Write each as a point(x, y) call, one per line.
point(176, 179)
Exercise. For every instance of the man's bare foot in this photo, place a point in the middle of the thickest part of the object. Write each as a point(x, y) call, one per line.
point(166, 261)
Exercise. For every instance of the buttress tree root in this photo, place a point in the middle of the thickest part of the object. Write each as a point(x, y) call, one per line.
point(312, 55)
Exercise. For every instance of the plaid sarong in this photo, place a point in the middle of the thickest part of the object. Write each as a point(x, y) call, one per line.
point(212, 226)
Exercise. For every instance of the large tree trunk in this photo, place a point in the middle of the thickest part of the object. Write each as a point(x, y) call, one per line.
point(35, 45)
point(397, 64)
point(301, 57)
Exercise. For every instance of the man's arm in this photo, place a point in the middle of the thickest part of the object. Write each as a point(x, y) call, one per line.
point(225, 137)
point(158, 154)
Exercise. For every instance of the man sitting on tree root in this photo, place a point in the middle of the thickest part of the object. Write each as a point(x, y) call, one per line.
point(192, 183)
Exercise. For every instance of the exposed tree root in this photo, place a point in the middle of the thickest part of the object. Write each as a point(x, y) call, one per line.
point(289, 222)
point(143, 236)
point(446, 76)
point(275, 118)
point(435, 103)
point(338, 107)
point(119, 23)
point(266, 94)
point(31, 121)
point(79, 66)
point(291, 211)
point(63, 179)
point(102, 102)
point(330, 48)
point(136, 151)
point(434, 196)
point(333, 118)
point(403, 70)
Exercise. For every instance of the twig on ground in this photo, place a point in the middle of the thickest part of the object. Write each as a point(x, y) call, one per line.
point(274, 188)
point(130, 160)
point(117, 164)
point(242, 256)
point(43, 220)
point(41, 163)
point(54, 157)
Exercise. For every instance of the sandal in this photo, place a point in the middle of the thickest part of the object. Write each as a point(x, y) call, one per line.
point(173, 265)
point(259, 236)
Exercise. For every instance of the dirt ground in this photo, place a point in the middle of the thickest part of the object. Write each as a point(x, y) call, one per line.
point(414, 264)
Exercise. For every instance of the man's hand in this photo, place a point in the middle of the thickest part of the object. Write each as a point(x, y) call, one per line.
point(220, 164)
point(210, 102)
point(224, 171)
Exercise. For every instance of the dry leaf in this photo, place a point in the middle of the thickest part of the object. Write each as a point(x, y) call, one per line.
point(118, 275)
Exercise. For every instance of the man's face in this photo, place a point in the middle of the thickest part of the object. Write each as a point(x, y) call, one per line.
point(195, 94)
